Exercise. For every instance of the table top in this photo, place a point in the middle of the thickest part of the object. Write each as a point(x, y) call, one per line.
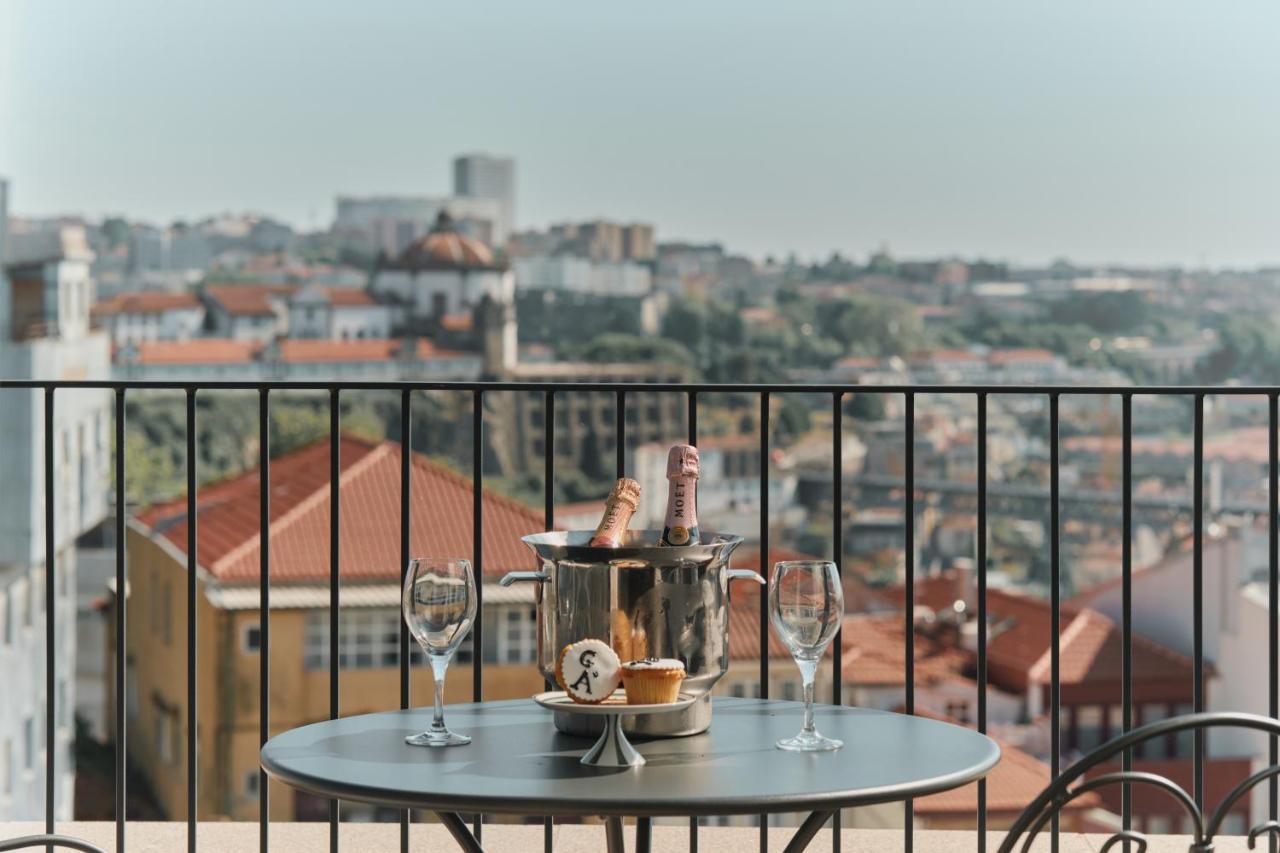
point(519, 764)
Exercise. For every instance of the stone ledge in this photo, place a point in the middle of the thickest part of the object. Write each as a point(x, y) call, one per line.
point(168, 837)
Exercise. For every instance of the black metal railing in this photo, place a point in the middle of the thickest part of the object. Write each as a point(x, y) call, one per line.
point(764, 393)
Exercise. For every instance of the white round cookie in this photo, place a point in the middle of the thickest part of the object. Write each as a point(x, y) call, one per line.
point(589, 671)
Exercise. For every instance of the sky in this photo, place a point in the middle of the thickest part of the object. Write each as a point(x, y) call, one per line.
point(1139, 131)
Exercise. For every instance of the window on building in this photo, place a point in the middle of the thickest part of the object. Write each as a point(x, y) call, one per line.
point(958, 710)
point(1088, 727)
point(250, 638)
point(1234, 824)
point(37, 595)
point(1156, 747)
point(1158, 824)
point(6, 624)
point(60, 709)
point(22, 603)
point(790, 690)
point(518, 640)
point(166, 615)
point(6, 767)
point(1184, 743)
point(164, 737)
point(369, 639)
point(28, 743)
point(251, 781)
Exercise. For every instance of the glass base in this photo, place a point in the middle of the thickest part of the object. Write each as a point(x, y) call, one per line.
point(444, 738)
point(809, 742)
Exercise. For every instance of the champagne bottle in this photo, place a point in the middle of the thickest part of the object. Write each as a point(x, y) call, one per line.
point(681, 525)
point(622, 503)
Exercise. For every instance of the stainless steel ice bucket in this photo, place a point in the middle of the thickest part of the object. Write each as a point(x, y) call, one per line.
point(645, 601)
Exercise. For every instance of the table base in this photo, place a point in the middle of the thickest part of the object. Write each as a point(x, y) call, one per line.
point(616, 842)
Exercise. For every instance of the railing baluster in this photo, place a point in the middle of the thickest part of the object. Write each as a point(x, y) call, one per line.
point(264, 607)
point(406, 455)
point(1273, 596)
point(620, 433)
point(477, 548)
point(1197, 639)
point(692, 420)
point(1126, 605)
point(765, 572)
point(335, 615)
point(50, 623)
point(837, 548)
point(909, 579)
point(1055, 602)
point(192, 569)
point(982, 607)
point(122, 607)
point(549, 522)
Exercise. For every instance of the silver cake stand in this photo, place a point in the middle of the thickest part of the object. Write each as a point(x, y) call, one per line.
point(612, 749)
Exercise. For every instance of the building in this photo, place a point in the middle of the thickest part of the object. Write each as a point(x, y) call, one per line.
point(391, 223)
point(443, 274)
point(1236, 627)
point(150, 316)
point(576, 274)
point(337, 313)
point(481, 176)
point(230, 636)
point(45, 294)
point(247, 312)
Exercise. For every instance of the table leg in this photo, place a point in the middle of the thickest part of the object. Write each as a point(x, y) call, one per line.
point(807, 831)
point(614, 841)
point(644, 834)
point(458, 829)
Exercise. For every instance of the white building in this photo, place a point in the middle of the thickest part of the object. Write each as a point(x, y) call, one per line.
point(248, 312)
point(582, 275)
point(443, 274)
point(337, 313)
point(1235, 629)
point(45, 294)
point(150, 316)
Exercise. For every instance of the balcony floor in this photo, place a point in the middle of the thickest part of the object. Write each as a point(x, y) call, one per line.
point(155, 837)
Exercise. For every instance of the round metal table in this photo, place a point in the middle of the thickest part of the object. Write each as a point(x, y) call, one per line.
point(519, 764)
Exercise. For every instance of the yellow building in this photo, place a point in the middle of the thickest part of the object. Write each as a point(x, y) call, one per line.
point(229, 633)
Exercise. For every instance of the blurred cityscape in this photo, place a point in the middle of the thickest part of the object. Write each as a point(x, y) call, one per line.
point(449, 283)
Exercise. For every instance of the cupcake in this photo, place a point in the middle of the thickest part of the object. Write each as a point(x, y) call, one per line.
point(652, 681)
point(588, 671)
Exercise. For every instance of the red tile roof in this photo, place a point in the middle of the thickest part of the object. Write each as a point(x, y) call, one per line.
point(228, 546)
point(247, 299)
point(295, 350)
point(145, 302)
point(1011, 786)
point(1019, 639)
point(457, 322)
point(350, 296)
point(874, 654)
point(198, 351)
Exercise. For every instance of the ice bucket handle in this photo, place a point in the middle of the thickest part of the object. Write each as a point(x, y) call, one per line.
point(744, 575)
point(541, 577)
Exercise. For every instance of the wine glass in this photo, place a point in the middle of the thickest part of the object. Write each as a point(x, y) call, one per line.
point(439, 607)
point(806, 606)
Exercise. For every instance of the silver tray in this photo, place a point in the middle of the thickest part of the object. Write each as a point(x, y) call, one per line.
point(612, 749)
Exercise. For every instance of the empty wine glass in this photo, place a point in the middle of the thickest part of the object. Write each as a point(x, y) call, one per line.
point(806, 606)
point(439, 608)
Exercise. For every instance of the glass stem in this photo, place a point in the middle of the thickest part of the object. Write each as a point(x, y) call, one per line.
point(808, 669)
point(439, 666)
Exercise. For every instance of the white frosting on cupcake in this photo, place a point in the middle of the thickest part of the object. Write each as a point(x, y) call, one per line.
point(590, 669)
point(654, 663)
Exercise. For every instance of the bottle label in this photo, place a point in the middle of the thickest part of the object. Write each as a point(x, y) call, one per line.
point(681, 510)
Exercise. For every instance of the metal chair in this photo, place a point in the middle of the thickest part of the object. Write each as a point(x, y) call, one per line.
point(1051, 801)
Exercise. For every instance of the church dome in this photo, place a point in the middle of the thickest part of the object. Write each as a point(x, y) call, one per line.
point(443, 247)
